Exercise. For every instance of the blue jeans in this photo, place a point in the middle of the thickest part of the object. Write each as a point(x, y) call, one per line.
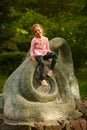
point(40, 59)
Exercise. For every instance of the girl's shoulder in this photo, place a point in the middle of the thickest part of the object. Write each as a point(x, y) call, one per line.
point(44, 37)
point(38, 39)
point(33, 40)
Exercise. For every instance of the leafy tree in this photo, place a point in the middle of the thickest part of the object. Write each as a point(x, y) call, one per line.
point(65, 18)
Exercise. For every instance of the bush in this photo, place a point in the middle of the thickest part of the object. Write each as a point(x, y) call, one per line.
point(10, 61)
point(79, 56)
point(72, 28)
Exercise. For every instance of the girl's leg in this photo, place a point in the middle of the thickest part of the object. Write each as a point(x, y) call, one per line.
point(53, 56)
point(41, 65)
point(40, 61)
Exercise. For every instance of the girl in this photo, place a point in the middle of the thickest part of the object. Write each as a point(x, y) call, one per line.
point(40, 51)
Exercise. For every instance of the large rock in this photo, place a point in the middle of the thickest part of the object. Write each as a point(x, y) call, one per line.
point(26, 102)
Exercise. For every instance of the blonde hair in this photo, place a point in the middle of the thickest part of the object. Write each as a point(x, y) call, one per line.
point(37, 25)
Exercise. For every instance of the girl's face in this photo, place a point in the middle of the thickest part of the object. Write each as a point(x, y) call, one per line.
point(38, 32)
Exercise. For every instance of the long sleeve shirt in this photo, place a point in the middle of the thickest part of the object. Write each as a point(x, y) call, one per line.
point(39, 46)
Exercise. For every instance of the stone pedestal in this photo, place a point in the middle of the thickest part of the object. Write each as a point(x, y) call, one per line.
point(79, 124)
point(27, 105)
point(76, 124)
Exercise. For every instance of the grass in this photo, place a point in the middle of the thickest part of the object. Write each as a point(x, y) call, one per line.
point(81, 77)
point(82, 80)
point(83, 88)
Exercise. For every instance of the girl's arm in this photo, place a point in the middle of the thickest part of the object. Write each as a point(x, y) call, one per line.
point(47, 45)
point(32, 52)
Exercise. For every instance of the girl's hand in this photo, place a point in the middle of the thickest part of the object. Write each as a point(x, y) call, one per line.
point(33, 59)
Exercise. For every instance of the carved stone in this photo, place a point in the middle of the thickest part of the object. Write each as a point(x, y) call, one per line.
point(26, 102)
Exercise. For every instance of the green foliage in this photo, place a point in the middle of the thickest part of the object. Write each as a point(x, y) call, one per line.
point(68, 26)
point(19, 31)
point(3, 78)
point(74, 31)
point(60, 19)
point(24, 25)
point(79, 56)
point(82, 78)
point(8, 46)
point(10, 61)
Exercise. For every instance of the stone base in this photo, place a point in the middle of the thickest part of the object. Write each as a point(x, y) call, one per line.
point(78, 124)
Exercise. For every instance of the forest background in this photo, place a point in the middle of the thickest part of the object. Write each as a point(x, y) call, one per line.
point(60, 18)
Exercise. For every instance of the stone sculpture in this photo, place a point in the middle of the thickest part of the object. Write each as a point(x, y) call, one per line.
point(26, 102)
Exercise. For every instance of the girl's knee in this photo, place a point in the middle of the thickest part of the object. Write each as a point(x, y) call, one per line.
point(54, 54)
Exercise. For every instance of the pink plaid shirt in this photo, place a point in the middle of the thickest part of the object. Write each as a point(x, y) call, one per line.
point(39, 46)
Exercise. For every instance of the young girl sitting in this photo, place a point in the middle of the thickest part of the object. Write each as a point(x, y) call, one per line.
point(40, 51)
